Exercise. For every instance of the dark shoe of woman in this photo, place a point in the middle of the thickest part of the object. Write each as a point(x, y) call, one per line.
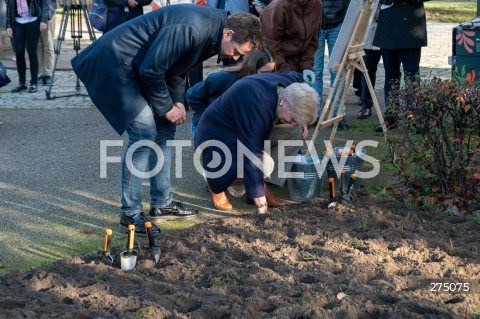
point(19, 88)
point(364, 113)
point(32, 88)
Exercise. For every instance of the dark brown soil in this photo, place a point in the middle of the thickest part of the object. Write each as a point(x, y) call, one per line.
point(369, 259)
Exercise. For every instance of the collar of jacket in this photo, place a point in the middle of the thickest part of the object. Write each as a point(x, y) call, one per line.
point(217, 42)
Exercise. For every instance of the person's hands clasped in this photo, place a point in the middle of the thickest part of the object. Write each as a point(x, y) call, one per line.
point(177, 115)
point(43, 26)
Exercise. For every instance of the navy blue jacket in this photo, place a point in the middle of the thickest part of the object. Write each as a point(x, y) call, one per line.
point(204, 93)
point(144, 61)
point(246, 113)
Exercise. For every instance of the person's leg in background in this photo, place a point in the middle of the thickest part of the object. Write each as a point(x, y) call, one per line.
point(371, 58)
point(331, 37)
point(357, 84)
point(46, 53)
point(391, 62)
point(410, 59)
point(19, 39)
point(318, 66)
point(32, 38)
point(194, 76)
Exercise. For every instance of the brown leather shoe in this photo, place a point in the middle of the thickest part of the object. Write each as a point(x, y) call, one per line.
point(272, 201)
point(220, 200)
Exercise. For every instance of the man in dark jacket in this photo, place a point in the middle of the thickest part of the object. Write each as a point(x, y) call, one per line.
point(246, 113)
point(334, 12)
point(120, 11)
point(135, 75)
point(401, 34)
point(291, 31)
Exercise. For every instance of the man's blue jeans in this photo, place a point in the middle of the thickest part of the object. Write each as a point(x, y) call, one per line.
point(330, 37)
point(151, 130)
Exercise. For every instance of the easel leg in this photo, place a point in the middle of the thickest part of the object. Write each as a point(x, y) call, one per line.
point(374, 96)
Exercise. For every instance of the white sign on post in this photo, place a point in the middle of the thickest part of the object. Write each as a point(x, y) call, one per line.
point(346, 31)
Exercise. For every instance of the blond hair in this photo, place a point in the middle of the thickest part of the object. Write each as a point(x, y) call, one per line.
point(302, 101)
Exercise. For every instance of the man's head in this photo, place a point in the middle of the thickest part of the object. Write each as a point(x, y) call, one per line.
point(298, 104)
point(241, 34)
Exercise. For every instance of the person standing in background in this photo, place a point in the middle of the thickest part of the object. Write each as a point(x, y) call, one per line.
point(371, 58)
point(334, 12)
point(120, 11)
point(291, 28)
point(46, 50)
point(401, 34)
point(232, 6)
point(25, 20)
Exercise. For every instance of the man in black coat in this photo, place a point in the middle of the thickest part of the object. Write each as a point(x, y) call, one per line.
point(135, 75)
point(401, 34)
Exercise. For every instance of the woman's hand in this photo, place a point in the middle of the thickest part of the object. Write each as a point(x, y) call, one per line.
point(9, 32)
point(304, 132)
point(261, 203)
point(43, 26)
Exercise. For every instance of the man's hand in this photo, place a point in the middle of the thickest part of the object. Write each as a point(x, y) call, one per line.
point(9, 32)
point(177, 114)
point(43, 26)
point(132, 3)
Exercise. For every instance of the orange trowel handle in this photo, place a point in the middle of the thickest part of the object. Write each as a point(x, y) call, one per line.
point(131, 238)
point(331, 184)
point(106, 240)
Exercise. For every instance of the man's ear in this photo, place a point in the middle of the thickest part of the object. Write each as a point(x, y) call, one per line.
point(283, 101)
point(228, 33)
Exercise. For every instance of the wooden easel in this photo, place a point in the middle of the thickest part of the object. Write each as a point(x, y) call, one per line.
point(352, 59)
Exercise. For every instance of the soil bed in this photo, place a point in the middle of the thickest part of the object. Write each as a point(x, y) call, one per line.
point(370, 259)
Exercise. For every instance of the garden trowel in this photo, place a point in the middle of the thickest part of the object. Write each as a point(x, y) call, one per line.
point(347, 196)
point(107, 257)
point(331, 185)
point(128, 258)
point(151, 242)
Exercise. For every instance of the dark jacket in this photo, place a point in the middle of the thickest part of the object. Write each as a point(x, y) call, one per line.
point(333, 13)
point(291, 31)
point(402, 26)
point(117, 13)
point(246, 113)
point(204, 93)
point(144, 61)
point(37, 8)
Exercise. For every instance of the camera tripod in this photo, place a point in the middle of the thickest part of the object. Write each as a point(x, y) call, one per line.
point(74, 11)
